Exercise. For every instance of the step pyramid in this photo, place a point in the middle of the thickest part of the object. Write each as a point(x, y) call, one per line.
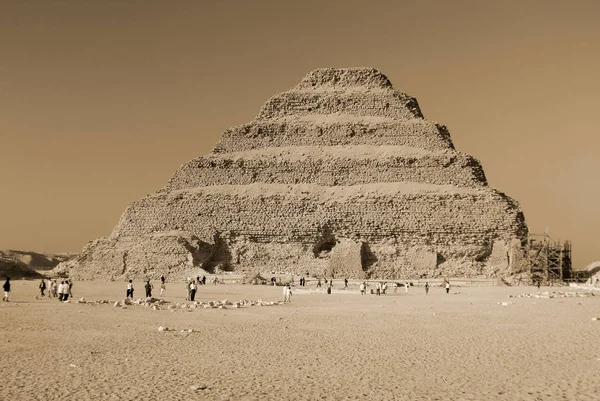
point(339, 176)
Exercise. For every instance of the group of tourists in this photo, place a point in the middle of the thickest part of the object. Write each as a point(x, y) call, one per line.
point(148, 286)
point(62, 290)
point(192, 286)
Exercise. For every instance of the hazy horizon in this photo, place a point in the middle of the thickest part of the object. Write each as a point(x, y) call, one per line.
point(102, 101)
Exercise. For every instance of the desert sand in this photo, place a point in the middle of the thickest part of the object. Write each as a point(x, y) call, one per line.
point(343, 346)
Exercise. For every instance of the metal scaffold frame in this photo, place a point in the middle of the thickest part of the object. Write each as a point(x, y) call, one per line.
point(548, 260)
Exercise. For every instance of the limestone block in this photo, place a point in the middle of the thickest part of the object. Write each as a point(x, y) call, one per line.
point(346, 260)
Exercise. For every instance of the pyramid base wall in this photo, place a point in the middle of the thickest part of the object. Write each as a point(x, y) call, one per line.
point(180, 256)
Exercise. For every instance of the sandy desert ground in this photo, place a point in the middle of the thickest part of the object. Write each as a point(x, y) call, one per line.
point(343, 346)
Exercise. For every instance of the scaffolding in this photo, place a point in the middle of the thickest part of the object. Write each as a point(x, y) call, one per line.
point(547, 260)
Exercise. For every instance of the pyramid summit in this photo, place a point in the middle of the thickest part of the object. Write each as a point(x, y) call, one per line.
point(341, 175)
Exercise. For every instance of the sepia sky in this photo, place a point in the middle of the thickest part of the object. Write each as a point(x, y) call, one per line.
point(101, 101)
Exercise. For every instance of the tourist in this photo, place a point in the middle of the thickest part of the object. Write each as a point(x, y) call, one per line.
point(426, 288)
point(189, 290)
point(192, 291)
point(129, 293)
point(384, 288)
point(42, 287)
point(203, 280)
point(53, 288)
point(6, 289)
point(69, 283)
point(162, 279)
point(395, 288)
point(66, 291)
point(162, 289)
point(362, 288)
point(406, 285)
point(61, 287)
point(346, 283)
point(378, 289)
point(149, 288)
point(319, 283)
point(447, 287)
point(287, 293)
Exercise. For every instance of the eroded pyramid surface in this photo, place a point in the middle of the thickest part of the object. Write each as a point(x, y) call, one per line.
point(342, 176)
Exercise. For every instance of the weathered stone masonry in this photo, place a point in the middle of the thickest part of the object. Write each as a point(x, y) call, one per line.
point(340, 175)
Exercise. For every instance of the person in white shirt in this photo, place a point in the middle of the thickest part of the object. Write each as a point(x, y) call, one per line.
point(66, 288)
point(287, 293)
point(129, 293)
point(52, 291)
point(447, 287)
point(362, 288)
point(406, 287)
point(60, 290)
point(192, 290)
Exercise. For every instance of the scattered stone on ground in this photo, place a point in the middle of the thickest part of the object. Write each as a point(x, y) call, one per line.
point(554, 294)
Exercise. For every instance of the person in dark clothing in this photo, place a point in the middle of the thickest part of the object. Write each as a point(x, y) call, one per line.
point(6, 289)
point(42, 287)
point(130, 289)
point(148, 287)
point(203, 280)
point(192, 291)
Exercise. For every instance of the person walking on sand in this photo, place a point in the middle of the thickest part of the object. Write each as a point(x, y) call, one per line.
point(319, 283)
point(406, 285)
point(362, 288)
point(69, 283)
point(378, 289)
point(66, 291)
point(6, 288)
point(192, 291)
point(287, 293)
point(346, 283)
point(384, 288)
point(426, 288)
point(42, 287)
point(148, 288)
point(129, 293)
point(162, 289)
point(447, 287)
point(189, 290)
point(61, 287)
point(53, 289)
